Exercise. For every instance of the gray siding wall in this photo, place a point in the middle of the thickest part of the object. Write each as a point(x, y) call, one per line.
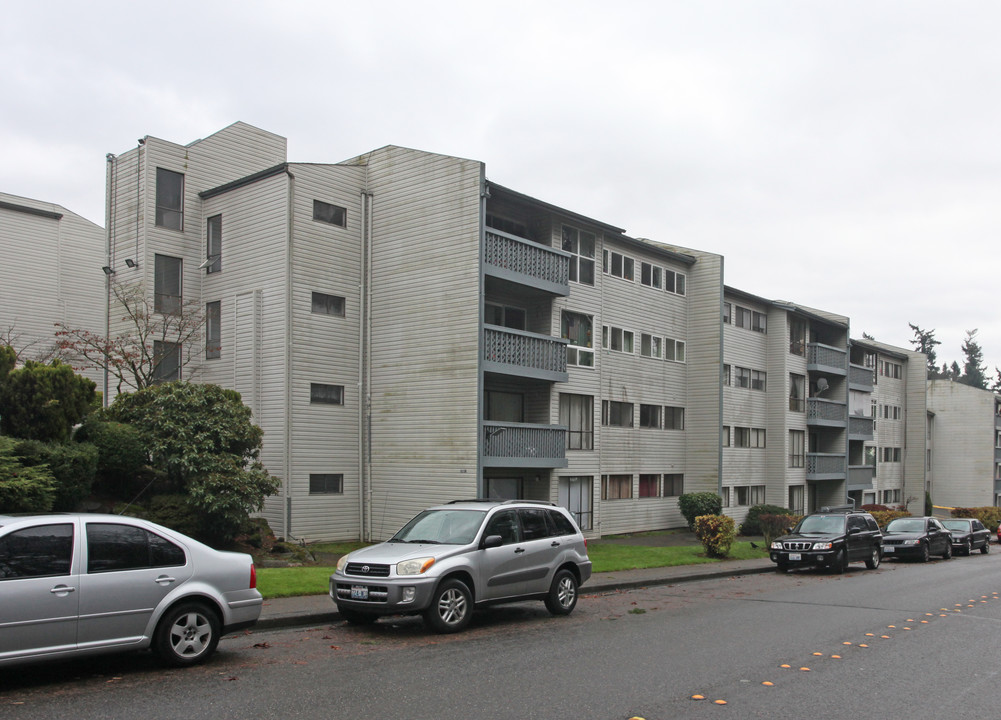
point(424, 350)
point(916, 438)
point(962, 472)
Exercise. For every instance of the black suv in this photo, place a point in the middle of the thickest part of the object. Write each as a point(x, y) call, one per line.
point(831, 538)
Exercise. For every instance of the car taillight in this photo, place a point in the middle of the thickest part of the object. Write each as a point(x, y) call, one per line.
point(253, 576)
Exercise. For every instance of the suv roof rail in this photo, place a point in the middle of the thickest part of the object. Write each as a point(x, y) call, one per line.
point(472, 500)
point(529, 502)
point(838, 509)
point(503, 502)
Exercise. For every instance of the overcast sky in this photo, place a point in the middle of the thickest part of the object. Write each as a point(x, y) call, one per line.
point(841, 155)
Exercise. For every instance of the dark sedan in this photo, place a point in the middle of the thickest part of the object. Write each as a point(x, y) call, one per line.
point(916, 537)
point(968, 534)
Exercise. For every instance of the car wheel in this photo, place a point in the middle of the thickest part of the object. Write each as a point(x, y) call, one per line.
point(968, 550)
point(356, 617)
point(986, 547)
point(451, 607)
point(948, 551)
point(841, 561)
point(925, 553)
point(187, 634)
point(562, 596)
point(872, 562)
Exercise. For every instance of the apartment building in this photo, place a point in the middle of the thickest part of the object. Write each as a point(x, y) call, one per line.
point(408, 332)
point(964, 445)
point(50, 273)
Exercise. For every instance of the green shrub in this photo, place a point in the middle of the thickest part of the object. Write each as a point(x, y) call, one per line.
point(175, 511)
point(73, 467)
point(751, 526)
point(692, 505)
point(23, 488)
point(883, 517)
point(120, 459)
point(716, 533)
point(989, 516)
point(871, 508)
point(773, 526)
point(44, 402)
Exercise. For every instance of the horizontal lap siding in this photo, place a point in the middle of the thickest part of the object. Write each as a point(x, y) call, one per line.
point(916, 441)
point(425, 341)
point(963, 453)
point(325, 438)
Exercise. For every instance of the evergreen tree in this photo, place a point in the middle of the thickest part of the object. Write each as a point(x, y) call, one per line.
point(973, 369)
point(954, 372)
point(924, 342)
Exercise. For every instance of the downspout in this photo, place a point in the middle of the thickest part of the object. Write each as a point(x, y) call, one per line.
point(481, 484)
point(364, 373)
point(719, 385)
point(109, 221)
point(289, 315)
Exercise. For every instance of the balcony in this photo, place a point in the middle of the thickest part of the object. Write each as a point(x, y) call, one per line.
point(826, 359)
point(860, 378)
point(524, 354)
point(524, 445)
point(860, 477)
point(825, 466)
point(827, 413)
point(527, 263)
point(860, 427)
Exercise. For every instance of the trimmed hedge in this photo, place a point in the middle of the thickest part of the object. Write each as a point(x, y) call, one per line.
point(692, 505)
point(751, 524)
point(717, 533)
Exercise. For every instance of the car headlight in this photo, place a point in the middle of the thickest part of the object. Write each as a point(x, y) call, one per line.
point(341, 563)
point(912, 542)
point(823, 546)
point(776, 544)
point(416, 566)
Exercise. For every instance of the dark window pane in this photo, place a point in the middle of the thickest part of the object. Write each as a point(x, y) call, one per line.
point(169, 199)
point(533, 524)
point(324, 304)
point(213, 244)
point(333, 214)
point(116, 547)
point(329, 394)
point(326, 484)
point(42, 551)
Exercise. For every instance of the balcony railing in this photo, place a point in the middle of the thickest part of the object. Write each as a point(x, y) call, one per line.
point(825, 358)
point(524, 354)
point(825, 466)
point(526, 262)
point(524, 445)
point(860, 378)
point(860, 427)
point(826, 412)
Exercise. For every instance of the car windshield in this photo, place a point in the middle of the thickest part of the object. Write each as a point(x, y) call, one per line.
point(442, 527)
point(906, 525)
point(960, 525)
point(824, 524)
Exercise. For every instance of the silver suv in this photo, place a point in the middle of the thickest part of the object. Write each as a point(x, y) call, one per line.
point(451, 558)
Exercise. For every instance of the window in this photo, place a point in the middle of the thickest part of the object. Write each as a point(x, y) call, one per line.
point(326, 394)
point(213, 244)
point(505, 316)
point(618, 265)
point(613, 338)
point(650, 275)
point(674, 350)
point(750, 319)
point(616, 487)
point(797, 449)
point(890, 454)
point(726, 436)
point(758, 322)
point(326, 484)
point(324, 304)
point(724, 497)
point(505, 407)
point(797, 337)
point(333, 214)
point(649, 485)
point(650, 346)
point(674, 418)
point(167, 284)
point(674, 282)
point(742, 317)
point(166, 361)
point(213, 330)
point(575, 496)
point(616, 414)
point(576, 412)
point(534, 523)
point(169, 199)
point(727, 312)
point(759, 380)
point(113, 547)
point(580, 244)
point(797, 393)
point(674, 484)
point(577, 329)
point(889, 369)
point(891, 412)
point(744, 437)
point(41, 551)
point(726, 374)
point(797, 496)
point(650, 416)
point(743, 377)
point(750, 494)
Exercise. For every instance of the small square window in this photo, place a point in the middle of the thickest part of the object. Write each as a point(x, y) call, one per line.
point(326, 394)
point(333, 214)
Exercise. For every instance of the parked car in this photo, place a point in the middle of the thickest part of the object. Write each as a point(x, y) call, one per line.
point(831, 538)
point(84, 584)
point(917, 537)
point(967, 535)
point(452, 558)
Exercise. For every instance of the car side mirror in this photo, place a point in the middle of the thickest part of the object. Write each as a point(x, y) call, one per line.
point(492, 541)
point(854, 530)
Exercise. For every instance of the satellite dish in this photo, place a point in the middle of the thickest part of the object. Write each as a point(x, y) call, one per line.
point(821, 385)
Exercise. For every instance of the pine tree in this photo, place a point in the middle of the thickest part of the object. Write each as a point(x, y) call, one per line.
point(973, 369)
point(924, 342)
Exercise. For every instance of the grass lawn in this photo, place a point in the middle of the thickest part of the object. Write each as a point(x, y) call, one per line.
point(606, 557)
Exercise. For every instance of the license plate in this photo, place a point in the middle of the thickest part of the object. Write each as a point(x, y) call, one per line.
point(359, 592)
point(887, 549)
point(795, 557)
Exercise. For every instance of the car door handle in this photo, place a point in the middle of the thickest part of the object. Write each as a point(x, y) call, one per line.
point(62, 590)
point(555, 543)
point(518, 551)
point(164, 580)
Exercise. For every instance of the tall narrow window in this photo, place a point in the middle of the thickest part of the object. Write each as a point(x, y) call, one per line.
point(674, 418)
point(213, 330)
point(577, 329)
point(332, 214)
point(577, 413)
point(797, 393)
point(213, 244)
point(797, 448)
point(797, 337)
point(580, 244)
point(169, 199)
point(166, 361)
point(166, 284)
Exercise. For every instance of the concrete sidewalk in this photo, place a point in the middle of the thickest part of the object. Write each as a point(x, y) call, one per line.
point(320, 609)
